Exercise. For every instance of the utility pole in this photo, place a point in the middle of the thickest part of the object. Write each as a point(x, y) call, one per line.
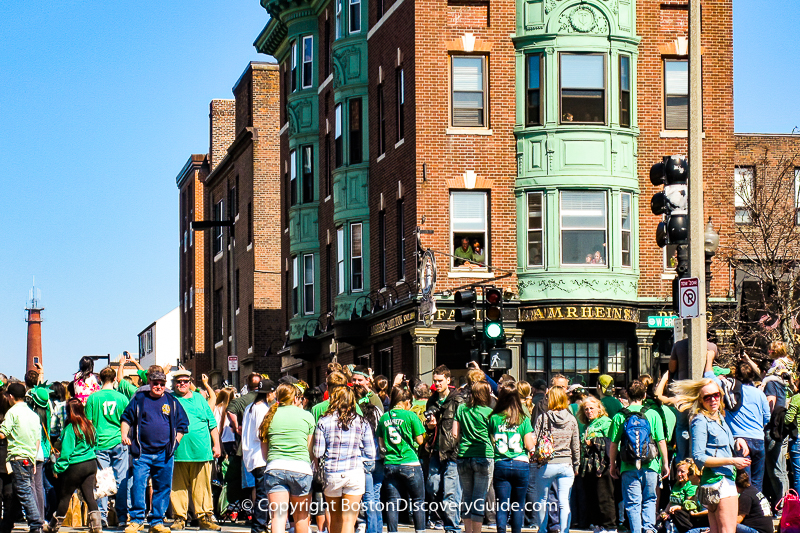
point(697, 326)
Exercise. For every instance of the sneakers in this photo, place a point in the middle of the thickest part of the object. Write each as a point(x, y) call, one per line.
point(207, 522)
point(133, 527)
point(438, 525)
point(159, 528)
point(361, 528)
point(178, 524)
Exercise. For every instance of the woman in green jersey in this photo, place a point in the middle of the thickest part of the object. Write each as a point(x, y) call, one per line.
point(400, 432)
point(512, 437)
point(598, 486)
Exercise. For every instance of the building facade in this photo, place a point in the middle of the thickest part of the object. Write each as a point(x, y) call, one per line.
point(159, 343)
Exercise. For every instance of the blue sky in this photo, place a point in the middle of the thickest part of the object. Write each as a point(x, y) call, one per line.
point(101, 104)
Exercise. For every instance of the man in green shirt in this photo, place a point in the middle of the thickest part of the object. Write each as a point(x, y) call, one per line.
point(463, 254)
point(104, 410)
point(334, 380)
point(361, 378)
point(22, 430)
point(192, 472)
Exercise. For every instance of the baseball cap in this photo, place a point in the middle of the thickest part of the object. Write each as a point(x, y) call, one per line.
point(156, 376)
point(574, 387)
point(721, 371)
point(605, 382)
point(182, 373)
point(265, 386)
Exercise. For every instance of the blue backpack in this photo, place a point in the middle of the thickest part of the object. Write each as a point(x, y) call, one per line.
point(637, 444)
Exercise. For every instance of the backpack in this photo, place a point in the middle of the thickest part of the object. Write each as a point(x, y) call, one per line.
point(731, 393)
point(544, 449)
point(778, 428)
point(637, 442)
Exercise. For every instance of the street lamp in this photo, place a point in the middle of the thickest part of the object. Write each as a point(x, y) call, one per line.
point(710, 245)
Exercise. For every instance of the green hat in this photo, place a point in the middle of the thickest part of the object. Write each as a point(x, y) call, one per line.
point(142, 375)
point(41, 396)
point(720, 371)
point(605, 382)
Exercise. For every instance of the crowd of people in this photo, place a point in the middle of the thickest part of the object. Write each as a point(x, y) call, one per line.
point(358, 453)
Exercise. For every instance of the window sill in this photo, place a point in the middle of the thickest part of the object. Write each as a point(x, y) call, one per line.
point(283, 129)
point(668, 275)
point(236, 218)
point(328, 198)
point(468, 131)
point(218, 345)
point(325, 83)
point(286, 230)
point(470, 274)
point(237, 311)
point(381, 157)
point(676, 134)
point(250, 350)
point(399, 143)
point(249, 246)
point(218, 257)
point(230, 339)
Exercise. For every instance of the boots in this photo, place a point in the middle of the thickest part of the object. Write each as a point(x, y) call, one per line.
point(54, 525)
point(95, 522)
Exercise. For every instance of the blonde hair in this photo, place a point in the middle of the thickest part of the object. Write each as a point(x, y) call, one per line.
point(475, 376)
point(524, 389)
point(582, 416)
point(687, 392)
point(557, 399)
point(284, 395)
point(778, 348)
point(694, 470)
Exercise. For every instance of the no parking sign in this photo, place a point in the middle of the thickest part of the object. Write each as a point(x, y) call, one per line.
point(688, 296)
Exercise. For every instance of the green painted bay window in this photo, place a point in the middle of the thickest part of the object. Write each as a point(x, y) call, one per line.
point(308, 173)
point(308, 62)
point(625, 91)
point(535, 229)
point(355, 138)
point(340, 251)
point(308, 284)
point(294, 66)
point(584, 228)
point(356, 258)
point(533, 92)
point(583, 88)
point(625, 228)
point(293, 177)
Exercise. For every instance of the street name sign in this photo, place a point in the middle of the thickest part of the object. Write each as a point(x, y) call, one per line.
point(661, 322)
point(688, 298)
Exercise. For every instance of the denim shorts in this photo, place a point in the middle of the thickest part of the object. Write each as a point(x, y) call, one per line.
point(295, 483)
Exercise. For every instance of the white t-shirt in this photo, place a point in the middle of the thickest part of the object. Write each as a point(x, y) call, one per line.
point(226, 434)
point(251, 444)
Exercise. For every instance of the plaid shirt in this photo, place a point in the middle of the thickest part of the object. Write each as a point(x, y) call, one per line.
point(343, 450)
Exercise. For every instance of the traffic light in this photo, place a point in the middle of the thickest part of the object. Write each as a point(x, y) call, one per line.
point(493, 314)
point(673, 201)
point(466, 312)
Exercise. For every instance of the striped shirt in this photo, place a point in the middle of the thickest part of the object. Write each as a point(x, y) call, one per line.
point(343, 450)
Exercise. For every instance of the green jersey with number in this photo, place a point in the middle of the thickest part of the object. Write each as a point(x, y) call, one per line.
point(508, 440)
point(399, 428)
point(104, 409)
point(474, 429)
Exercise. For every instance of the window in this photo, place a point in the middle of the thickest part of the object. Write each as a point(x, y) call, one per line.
point(338, 18)
point(331, 278)
point(217, 231)
point(308, 284)
point(797, 196)
point(670, 257)
point(250, 222)
point(676, 94)
point(356, 263)
point(295, 287)
point(293, 177)
point(355, 16)
point(625, 91)
point(217, 315)
point(250, 324)
point(355, 140)
point(535, 229)
point(328, 166)
point(583, 228)
point(294, 66)
point(401, 241)
point(625, 227)
point(575, 357)
point(533, 113)
point(191, 297)
point(185, 301)
point(401, 100)
point(236, 289)
point(382, 248)
point(340, 259)
point(469, 91)
point(327, 46)
point(337, 135)
point(535, 356)
point(583, 88)
point(616, 357)
point(308, 62)
point(308, 173)
point(743, 185)
point(469, 225)
point(233, 198)
point(381, 122)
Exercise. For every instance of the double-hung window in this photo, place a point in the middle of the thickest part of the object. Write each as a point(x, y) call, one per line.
point(308, 62)
point(401, 100)
point(340, 250)
point(356, 258)
point(676, 94)
point(469, 228)
point(535, 229)
point(743, 186)
point(308, 284)
point(355, 16)
point(308, 173)
point(294, 66)
point(355, 140)
point(217, 232)
point(625, 91)
point(625, 228)
point(533, 94)
point(469, 91)
point(338, 141)
point(617, 354)
point(583, 88)
point(295, 287)
point(381, 122)
point(339, 18)
point(382, 248)
point(583, 228)
point(401, 241)
point(293, 177)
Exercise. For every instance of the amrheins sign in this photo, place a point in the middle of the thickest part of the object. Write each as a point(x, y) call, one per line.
point(578, 312)
point(393, 323)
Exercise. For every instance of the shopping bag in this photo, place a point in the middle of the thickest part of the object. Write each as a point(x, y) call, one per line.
point(106, 483)
point(790, 519)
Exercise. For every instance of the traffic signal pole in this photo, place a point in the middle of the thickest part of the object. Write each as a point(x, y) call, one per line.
point(697, 326)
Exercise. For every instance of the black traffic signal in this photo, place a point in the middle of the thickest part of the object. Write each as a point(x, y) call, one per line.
point(673, 202)
point(466, 312)
point(493, 314)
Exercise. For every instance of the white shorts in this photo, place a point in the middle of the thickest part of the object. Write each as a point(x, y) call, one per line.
point(726, 487)
point(350, 483)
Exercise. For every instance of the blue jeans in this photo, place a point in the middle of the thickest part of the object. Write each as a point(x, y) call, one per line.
point(741, 528)
point(444, 487)
point(563, 476)
point(261, 506)
point(775, 468)
point(159, 468)
point(117, 459)
point(756, 468)
point(23, 487)
point(510, 486)
point(372, 496)
point(794, 462)
point(639, 498)
point(531, 516)
point(295, 483)
point(401, 480)
point(475, 474)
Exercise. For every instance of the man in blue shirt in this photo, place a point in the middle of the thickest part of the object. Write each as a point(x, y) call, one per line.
point(152, 425)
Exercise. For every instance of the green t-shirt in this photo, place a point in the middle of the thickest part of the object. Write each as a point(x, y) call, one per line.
point(321, 408)
point(104, 410)
point(597, 428)
point(127, 388)
point(23, 429)
point(289, 432)
point(398, 428)
point(374, 399)
point(474, 429)
point(657, 432)
point(508, 440)
point(195, 446)
point(73, 451)
point(612, 405)
point(573, 408)
point(682, 493)
point(462, 255)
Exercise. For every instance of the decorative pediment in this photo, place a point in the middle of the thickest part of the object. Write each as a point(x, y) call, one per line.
point(470, 180)
point(299, 115)
point(346, 65)
point(583, 19)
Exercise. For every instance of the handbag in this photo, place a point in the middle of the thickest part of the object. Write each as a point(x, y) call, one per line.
point(544, 449)
point(106, 483)
point(319, 473)
point(709, 494)
point(790, 519)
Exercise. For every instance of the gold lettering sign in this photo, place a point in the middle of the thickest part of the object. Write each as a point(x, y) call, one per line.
point(578, 312)
point(401, 320)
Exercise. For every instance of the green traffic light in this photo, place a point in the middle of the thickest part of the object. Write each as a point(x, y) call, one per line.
point(494, 330)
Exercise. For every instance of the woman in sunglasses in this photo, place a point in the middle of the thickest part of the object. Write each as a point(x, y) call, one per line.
point(712, 450)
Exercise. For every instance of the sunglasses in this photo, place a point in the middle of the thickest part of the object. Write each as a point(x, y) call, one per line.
point(158, 384)
point(182, 382)
point(709, 397)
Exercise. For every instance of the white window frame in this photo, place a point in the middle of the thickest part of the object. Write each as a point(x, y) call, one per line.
point(338, 141)
point(306, 83)
point(575, 357)
point(354, 257)
point(666, 254)
point(340, 260)
point(484, 91)
point(354, 7)
point(308, 283)
point(540, 230)
point(295, 287)
point(219, 211)
point(293, 73)
point(293, 185)
point(562, 229)
point(619, 362)
point(191, 297)
point(454, 243)
point(562, 88)
point(623, 231)
point(339, 18)
point(672, 126)
point(741, 176)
